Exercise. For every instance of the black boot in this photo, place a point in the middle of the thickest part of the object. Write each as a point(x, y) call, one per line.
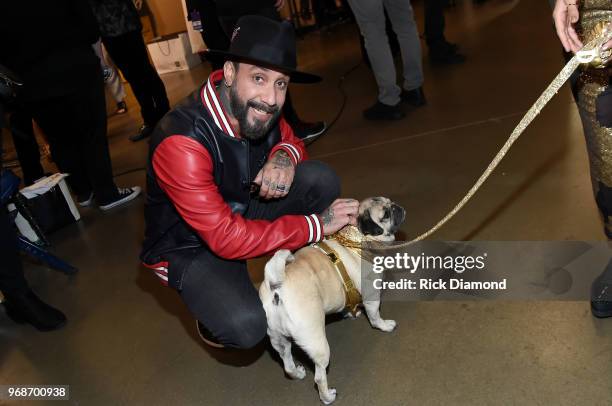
point(28, 308)
point(415, 97)
point(601, 293)
point(309, 132)
point(381, 111)
point(445, 53)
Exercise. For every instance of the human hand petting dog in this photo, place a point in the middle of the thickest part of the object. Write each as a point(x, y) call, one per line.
point(275, 178)
point(339, 214)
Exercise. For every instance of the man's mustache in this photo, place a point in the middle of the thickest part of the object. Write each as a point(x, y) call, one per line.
point(262, 107)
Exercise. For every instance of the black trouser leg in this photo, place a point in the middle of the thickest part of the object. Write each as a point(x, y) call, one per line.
point(434, 22)
point(129, 53)
point(229, 22)
point(12, 281)
point(289, 112)
point(75, 125)
point(212, 32)
point(26, 146)
point(219, 293)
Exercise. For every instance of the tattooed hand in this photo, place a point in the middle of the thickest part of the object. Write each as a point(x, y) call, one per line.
point(276, 176)
point(339, 214)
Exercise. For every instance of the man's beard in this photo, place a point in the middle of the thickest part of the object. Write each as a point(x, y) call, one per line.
point(240, 110)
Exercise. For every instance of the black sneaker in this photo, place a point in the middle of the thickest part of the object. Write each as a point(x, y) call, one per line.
point(309, 132)
point(85, 199)
point(124, 195)
point(415, 97)
point(381, 111)
point(28, 308)
point(207, 336)
point(144, 132)
point(443, 46)
point(445, 56)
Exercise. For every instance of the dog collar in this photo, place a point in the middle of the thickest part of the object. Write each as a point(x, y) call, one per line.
point(351, 294)
point(351, 238)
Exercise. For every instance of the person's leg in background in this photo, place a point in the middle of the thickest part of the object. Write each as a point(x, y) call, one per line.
point(76, 127)
point(26, 146)
point(21, 304)
point(129, 53)
point(63, 144)
point(370, 17)
point(213, 34)
point(402, 19)
point(111, 78)
point(440, 50)
point(113, 82)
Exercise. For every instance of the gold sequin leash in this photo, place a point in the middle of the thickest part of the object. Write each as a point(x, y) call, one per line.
point(591, 54)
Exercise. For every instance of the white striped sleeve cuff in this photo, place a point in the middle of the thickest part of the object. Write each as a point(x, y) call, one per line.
point(315, 228)
point(292, 150)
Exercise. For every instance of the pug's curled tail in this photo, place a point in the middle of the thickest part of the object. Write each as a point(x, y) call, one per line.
point(275, 269)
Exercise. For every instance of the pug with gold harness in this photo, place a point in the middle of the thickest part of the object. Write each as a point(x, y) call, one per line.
point(324, 278)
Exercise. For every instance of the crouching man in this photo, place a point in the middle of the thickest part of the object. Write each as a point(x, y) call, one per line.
point(227, 181)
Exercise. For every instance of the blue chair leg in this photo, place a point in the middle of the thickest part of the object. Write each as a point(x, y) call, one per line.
point(51, 260)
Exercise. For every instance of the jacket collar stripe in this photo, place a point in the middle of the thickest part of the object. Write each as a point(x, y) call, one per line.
point(219, 109)
point(209, 107)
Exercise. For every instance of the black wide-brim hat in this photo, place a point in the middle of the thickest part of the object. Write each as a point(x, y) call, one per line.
point(267, 43)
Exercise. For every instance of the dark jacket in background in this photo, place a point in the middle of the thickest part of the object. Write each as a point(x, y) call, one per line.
point(239, 8)
point(48, 44)
point(116, 17)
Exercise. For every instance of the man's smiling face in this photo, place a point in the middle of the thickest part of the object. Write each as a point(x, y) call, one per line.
point(256, 96)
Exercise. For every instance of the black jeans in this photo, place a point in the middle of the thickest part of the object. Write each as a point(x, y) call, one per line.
point(434, 22)
point(12, 281)
point(75, 125)
point(26, 146)
point(212, 33)
point(129, 53)
point(219, 292)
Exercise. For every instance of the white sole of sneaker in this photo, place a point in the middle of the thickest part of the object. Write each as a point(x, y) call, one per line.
point(87, 202)
point(136, 192)
point(311, 137)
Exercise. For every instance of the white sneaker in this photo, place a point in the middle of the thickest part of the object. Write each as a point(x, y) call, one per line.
point(85, 200)
point(125, 195)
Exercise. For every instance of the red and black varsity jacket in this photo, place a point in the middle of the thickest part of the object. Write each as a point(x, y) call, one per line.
point(199, 185)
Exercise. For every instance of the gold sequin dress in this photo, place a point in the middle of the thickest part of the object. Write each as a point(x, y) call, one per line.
point(595, 107)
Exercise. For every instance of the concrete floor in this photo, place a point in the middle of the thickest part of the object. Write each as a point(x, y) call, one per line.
point(130, 341)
